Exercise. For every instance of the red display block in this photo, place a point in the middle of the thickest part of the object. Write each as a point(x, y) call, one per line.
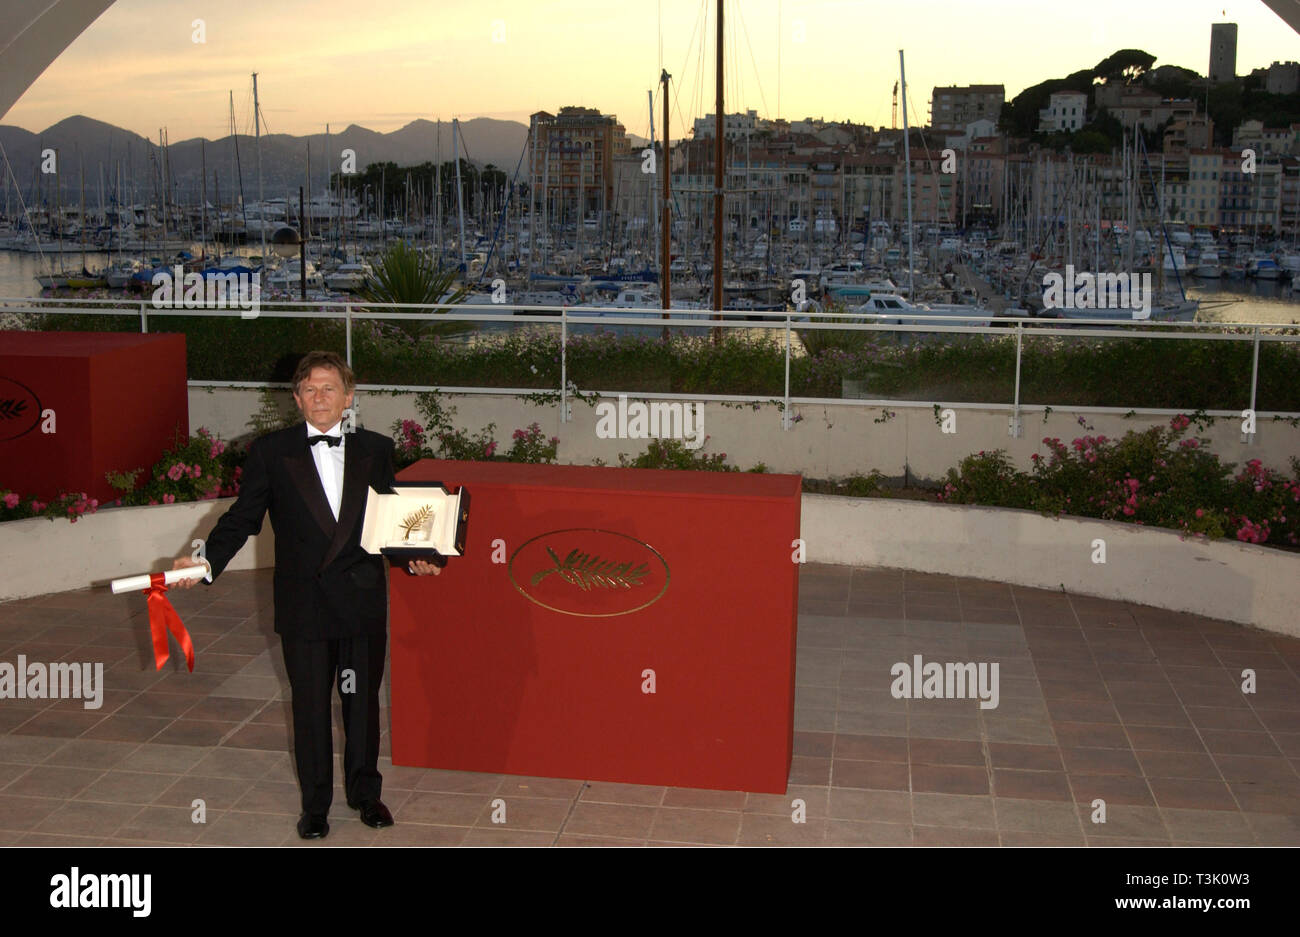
point(118, 401)
point(581, 590)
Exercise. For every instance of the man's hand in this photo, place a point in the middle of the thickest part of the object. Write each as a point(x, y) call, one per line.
point(422, 568)
point(182, 563)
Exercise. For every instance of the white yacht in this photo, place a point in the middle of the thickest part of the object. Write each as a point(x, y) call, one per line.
point(891, 309)
point(1175, 260)
point(288, 276)
point(348, 277)
point(841, 274)
point(887, 306)
point(1208, 265)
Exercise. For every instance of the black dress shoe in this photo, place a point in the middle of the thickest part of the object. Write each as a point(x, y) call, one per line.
point(373, 813)
point(313, 826)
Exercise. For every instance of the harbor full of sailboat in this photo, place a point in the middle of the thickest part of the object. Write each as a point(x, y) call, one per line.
point(748, 215)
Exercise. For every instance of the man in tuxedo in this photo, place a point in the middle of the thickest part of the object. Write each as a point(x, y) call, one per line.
point(331, 597)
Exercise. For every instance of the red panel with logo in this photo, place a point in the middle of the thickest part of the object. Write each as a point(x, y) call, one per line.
point(626, 625)
point(117, 401)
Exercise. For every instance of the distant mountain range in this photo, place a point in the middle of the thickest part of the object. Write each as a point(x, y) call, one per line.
point(101, 147)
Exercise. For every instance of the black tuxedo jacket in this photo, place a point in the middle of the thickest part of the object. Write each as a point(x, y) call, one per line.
point(326, 586)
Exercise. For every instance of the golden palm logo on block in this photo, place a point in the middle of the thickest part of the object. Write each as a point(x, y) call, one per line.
point(607, 571)
point(418, 524)
point(586, 571)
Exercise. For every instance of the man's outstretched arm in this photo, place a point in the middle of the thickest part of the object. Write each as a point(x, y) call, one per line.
point(241, 521)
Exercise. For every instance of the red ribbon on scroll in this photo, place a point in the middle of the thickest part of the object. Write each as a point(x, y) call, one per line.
point(163, 618)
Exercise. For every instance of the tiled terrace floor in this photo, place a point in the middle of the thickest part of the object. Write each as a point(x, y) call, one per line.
point(1103, 700)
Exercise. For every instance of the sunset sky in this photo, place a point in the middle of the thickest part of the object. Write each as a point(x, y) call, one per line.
point(384, 63)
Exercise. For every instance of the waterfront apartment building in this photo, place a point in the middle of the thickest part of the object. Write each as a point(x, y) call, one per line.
point(1289, 191)
point(777, 185)
point(573, 161)
point(1223, 52)
point(774, 182)
point(952, 108)
point(1222, 195)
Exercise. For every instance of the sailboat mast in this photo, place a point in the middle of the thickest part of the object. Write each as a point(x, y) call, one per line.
point(162, 173)
point(650, 210)
point(437, 184)
point(666, 258)
point(907, 185)
point(83, 214)
point(460, 204)
point(717, 186)
point(532, 199)
point(261, 201)
point(203, 194)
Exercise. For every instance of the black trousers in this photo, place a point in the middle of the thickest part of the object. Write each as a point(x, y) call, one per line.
point(356, 666)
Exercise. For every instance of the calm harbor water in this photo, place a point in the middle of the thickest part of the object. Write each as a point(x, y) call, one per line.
point(1260, 301)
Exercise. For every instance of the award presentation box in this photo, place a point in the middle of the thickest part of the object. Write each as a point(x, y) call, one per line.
point(118, 400)
point(419, 521)
point(627, 625)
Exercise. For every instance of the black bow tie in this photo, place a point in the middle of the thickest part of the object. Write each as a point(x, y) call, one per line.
point(328, 440)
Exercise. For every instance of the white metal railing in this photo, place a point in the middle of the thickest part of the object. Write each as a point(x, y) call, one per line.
point(787, 321)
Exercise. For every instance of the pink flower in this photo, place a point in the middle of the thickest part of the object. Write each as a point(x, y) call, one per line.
point(176, 471)
point(1180, 422)
point(1200, 512)
point(168, 498)
point(1128, 510)
point(490, 448)
point(12, 499)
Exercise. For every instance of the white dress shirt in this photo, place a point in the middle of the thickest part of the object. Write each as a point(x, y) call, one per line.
point(329, 464)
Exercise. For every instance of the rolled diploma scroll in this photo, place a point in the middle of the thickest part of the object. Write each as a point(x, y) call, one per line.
point(138, 583)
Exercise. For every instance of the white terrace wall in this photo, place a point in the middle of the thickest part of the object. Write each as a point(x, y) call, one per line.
point(831, 440)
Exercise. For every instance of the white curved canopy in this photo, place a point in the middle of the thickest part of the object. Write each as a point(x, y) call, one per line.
point(1289, 10)
point(33, 33)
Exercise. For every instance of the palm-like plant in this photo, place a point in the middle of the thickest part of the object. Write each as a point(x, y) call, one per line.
point(404, 275)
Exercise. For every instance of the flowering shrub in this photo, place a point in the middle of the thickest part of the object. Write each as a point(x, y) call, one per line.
point(438, 438)
point(71, 505)
point(673, 454)
point(531, 445)
point(410, 441)
point(1155, 477)
point(198, 468)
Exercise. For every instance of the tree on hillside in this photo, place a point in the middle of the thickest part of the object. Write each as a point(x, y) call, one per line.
point(1175, 82)
point(1125, 65)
